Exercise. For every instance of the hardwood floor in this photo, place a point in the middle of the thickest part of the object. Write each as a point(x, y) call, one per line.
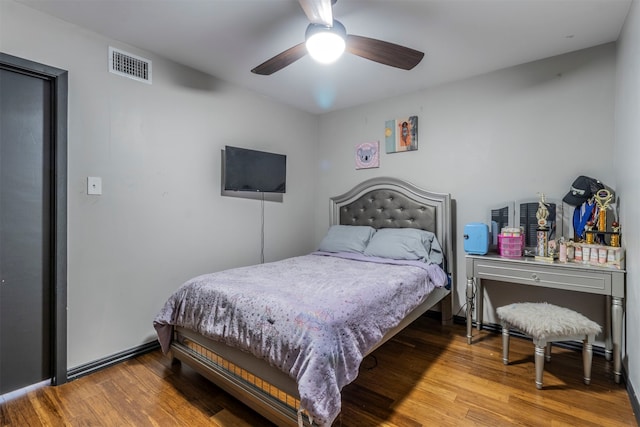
point(426, 376)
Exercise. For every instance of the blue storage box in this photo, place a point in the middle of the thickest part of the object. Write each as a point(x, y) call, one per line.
point(476, 238)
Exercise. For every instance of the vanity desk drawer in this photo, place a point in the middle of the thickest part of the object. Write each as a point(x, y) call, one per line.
point(566, 276)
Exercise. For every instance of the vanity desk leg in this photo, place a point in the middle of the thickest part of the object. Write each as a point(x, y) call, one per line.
point(469, 310)
point(608, 343)
point(616, 332)
point(474, 299)
point(479, 304)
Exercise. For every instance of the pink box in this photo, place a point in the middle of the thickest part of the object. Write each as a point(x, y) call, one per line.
point(510, 246)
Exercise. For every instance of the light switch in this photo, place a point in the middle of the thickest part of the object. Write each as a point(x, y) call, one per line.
point(94, 185)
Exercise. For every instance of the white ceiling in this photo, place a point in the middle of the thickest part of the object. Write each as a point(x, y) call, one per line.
point(460, 38)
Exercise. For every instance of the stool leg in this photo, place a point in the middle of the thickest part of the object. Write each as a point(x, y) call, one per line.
point(547, 352)
point(587, 356)
point(505, 343)
point(539, 361)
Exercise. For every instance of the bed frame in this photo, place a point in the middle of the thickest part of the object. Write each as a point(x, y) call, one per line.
point(379, 202)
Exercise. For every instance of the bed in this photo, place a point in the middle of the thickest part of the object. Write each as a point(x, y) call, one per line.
point(287, 350)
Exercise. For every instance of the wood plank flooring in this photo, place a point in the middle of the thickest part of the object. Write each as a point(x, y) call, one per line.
point(426, 376)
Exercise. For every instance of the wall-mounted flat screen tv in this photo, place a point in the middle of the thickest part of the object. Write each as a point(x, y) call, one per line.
point(252, 170)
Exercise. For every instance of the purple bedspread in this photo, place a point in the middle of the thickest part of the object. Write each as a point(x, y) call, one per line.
point(313, 317)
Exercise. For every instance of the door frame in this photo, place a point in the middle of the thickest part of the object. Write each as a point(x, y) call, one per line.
point(58, 176)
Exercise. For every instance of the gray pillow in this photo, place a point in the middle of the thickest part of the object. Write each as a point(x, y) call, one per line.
point(405, 243)
point(435, 253)
point(347, 238)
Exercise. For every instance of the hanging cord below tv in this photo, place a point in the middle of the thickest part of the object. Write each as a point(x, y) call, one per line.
point(262, 231)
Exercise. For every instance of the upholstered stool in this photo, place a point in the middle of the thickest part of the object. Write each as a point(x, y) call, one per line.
point(547, 323)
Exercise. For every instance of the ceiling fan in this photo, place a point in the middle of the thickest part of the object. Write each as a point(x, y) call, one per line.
point(320, 15)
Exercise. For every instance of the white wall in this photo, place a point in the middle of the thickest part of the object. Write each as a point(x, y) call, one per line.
point(161, 219)
point(626, 158)
point(502, 136)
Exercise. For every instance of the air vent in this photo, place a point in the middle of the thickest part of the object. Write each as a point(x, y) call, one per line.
point(128, 65)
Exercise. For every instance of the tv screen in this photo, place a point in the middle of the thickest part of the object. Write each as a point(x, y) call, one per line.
point(252, 170)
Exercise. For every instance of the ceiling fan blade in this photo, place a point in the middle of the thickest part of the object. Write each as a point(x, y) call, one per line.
point(318, 11)
point(384, 52)
point(281, 60)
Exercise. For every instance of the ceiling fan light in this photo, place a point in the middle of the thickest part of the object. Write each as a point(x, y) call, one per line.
point(325, 44)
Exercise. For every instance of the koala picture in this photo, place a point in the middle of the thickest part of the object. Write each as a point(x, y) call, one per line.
point(367, 155)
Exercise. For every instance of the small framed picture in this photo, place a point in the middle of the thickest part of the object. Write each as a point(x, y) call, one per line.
point(368, 155)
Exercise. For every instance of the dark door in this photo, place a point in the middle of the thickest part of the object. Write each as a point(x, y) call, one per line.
point(27, 228)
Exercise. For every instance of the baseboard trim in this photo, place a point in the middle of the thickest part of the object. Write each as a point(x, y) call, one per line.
point(633, 398)
point(105, 362)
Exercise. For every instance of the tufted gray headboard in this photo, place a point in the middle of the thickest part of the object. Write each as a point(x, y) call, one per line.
point(385, 208)
point(392, 203)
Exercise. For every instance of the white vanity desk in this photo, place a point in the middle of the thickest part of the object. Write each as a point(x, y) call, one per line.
point(571, 276)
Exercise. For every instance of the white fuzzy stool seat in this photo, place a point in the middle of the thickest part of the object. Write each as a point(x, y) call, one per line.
point(547, 323)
